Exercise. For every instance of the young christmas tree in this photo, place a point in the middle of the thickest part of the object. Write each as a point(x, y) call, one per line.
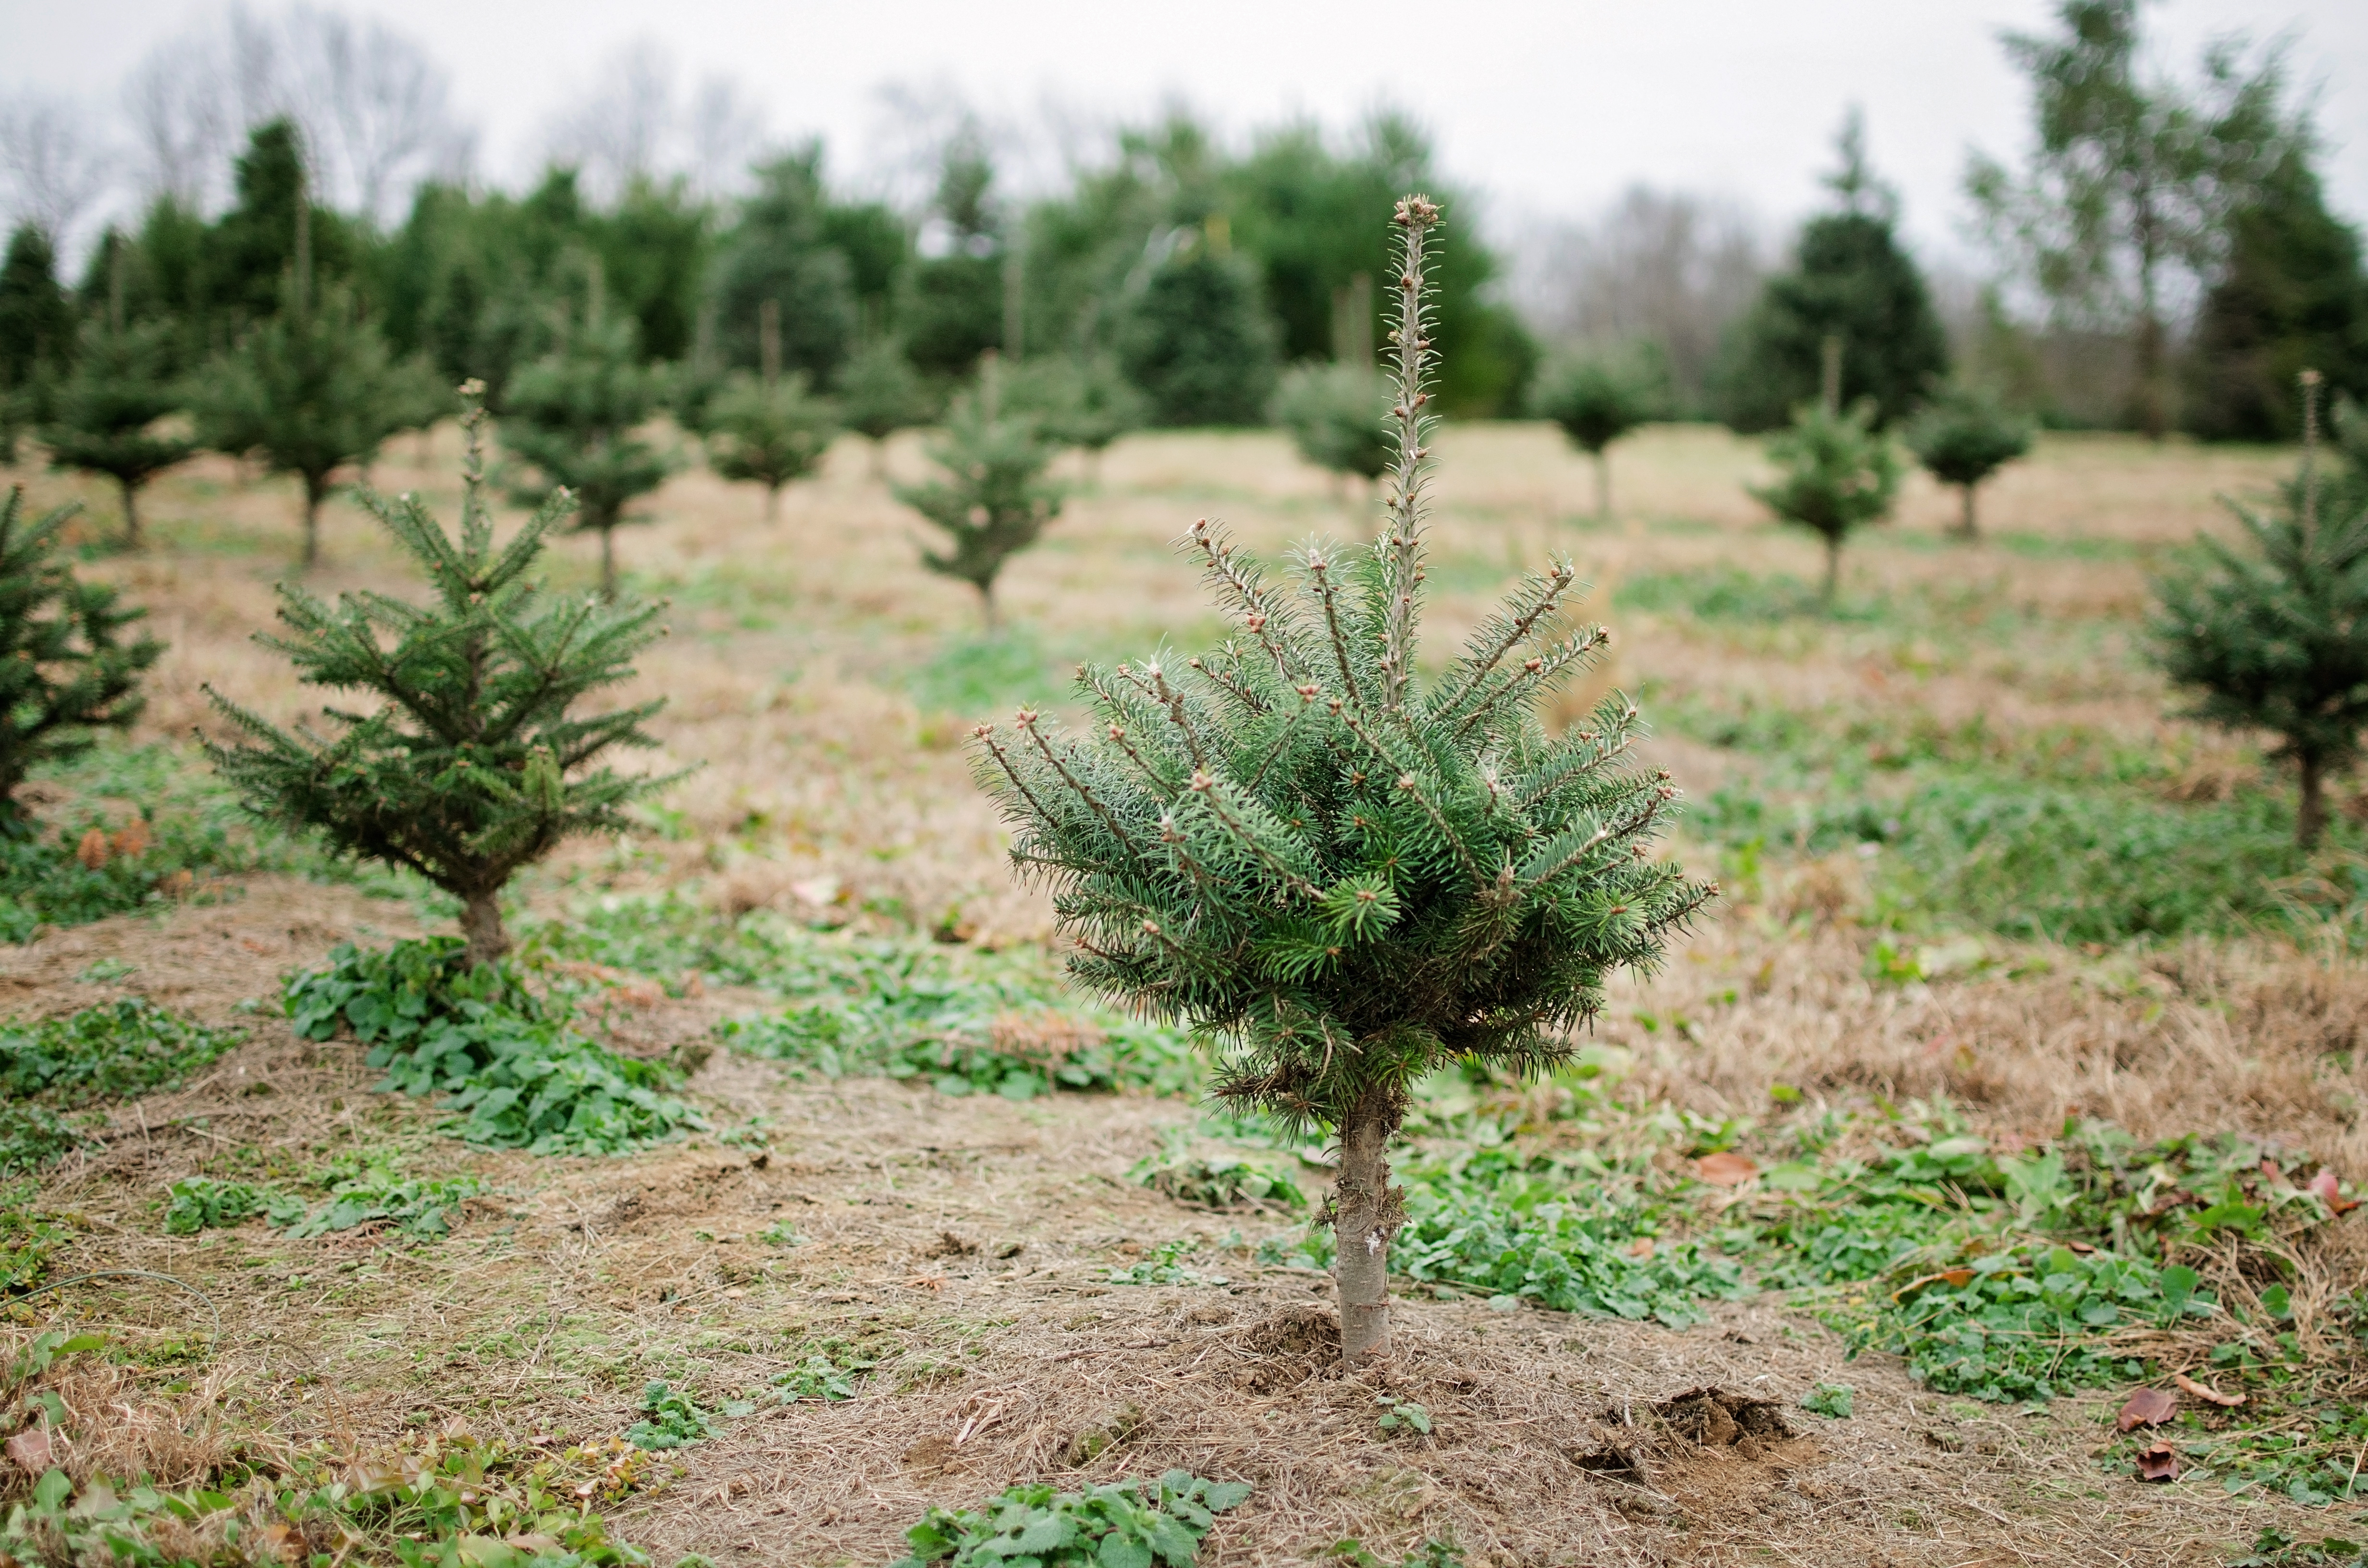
point(1198, 338)
point(993, 501)
point(879, 395)
point(1336, 416)
point(768, 427)
point(65, 669)
point(1964, 439)
point(2275, 636)
point(477, 761)
point(37, 333)
point(1596, 401)
point(1346, 875)
point(122, 384)
point(1838, 473)
point(1085, 404)
point(573, 415)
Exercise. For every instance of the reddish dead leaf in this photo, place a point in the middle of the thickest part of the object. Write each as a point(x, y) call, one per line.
point(1640, 1247)
point(2270, 1169)
point(32, 1449)
point(2083, 1248)
point(93, 848)
point(2146, 1408)
point(1956, 1279)
point(2205, 1391)
point(2325, 1187)
point(2160, 1462)
point(927, 1281)
point(131, 839)
point(1726, 1169)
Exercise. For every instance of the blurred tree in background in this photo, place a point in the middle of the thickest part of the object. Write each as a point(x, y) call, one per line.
point(1599, 398)
point(35, 332)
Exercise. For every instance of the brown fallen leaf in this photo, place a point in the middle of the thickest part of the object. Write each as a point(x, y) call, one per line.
point(2160, 1462)
point(2146, 1408)
point(2203, 1392)
point(1725, 1168)
point(1956, 1279)
point(2327, 1190)
point(927, 1281)
point(133, 839)
point(32, 1449)
point(93, 848)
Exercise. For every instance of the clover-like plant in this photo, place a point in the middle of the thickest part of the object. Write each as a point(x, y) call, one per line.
point(1344, 875)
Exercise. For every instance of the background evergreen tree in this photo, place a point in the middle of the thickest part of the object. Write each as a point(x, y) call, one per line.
point(2290, 295)
point(1837, 473)
point(1348, 877)
point(768, 427)
point(1965, 437)
point(879, 395)
point(993, 500)
point(122, 383)
point(1596, 399)
point(311, 390)
point(952, 311)
point(242, 261)
point(37, 333)
point(1850, 279)
point(1086, 403)
point(573, 415)
point(1198, 340)
point(477, 761)
point(2273, 635)
point(65, 669)
point(1335, 415)
point(779, 250)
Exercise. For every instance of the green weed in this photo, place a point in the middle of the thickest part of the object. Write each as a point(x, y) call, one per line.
point(1162, 1265)
point(1130, 1524)
point(125, 1048)
point(1222, 1182)
point(670, 1419)
point(1833, 1400)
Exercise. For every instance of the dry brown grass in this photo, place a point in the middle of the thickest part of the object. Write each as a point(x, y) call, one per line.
point(827, 791)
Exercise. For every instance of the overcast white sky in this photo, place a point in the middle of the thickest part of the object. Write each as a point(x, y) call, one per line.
point(1548, 108)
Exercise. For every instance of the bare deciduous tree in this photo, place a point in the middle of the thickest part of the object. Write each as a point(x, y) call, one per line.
point(54, 166)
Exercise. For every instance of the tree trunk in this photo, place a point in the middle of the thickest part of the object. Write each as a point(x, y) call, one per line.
point(1966, 526)
point(879, 458)
point(1833, 570)
point(608, 562)
point(986, 603)
point(481, 922)
point(1602, 484)
point(1366, 1216)
point(773, 501)
point(313, 522)
point(2310, 821)
point(130, 514)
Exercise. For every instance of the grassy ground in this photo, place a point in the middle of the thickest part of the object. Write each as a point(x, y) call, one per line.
point(1980, 891)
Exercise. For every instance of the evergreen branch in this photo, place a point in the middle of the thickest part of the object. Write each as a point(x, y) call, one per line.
point(1506, 633)
point(1319, 569)
point(1213, 796)
point(1259, 607)
point(1026, 720)
point(1415, 217)
point(1536, 671)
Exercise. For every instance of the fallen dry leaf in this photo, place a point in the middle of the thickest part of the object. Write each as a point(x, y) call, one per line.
point(1956, 1279)
point(131, 839)
point(2160, 1462)
point(927, 1281)
point(2200, 1391)
point(30, 1448)
point(93, 848)
point(1726, 1169)
point(2325, 1187)
point(2146, 1408)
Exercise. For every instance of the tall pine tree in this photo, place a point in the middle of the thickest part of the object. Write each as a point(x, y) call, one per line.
point(1348, 876)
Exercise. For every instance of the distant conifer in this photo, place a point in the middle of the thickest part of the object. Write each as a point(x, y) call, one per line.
point(1962, 440)
point(993, 500)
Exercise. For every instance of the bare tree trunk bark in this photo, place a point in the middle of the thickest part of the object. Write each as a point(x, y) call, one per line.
point(608, 562)
point(1833, 570)
point(773, 501)
point(130, 514)
point(1366, 1216)
point(481, 922)
point(1602, 484)
point(1966, 526)
point(2310, 821)
point(987, 602)
point(879, 458)
point(311, 524)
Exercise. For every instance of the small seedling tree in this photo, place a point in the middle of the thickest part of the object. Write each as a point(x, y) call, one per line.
point(768, 427)
point(1596, 401)
point(1964, 439)
point(100, 415)
point(311, 390)
point(993, 500)
point(1344, 875)
point(477, 760)
point(879, 395)
point(2273, 635)
point(1338, 418)
point(66, 670)
point(573, 415)
point(1837, 473)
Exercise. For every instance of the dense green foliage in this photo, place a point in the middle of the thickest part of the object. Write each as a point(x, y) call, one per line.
point(1336, 416)
point(35, 332)
point(1963, 438)
point(1128, 1524)
point(1083, 403)
point(478, 762)
point(54, 1067)
point(1197, 341)
point(1835, 474)
point(879, 395)
point(100, 417)
point(574, 414)
point(992, 499)
point(510, 1067)
point(773, 432)
point(66, 670)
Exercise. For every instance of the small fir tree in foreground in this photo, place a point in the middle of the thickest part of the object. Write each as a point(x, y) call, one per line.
point(66, 670)
point(879, 395)
point(311, 390)
point(1597, 401)
point(2275, 636)
point(573, 415)
point(768, 427)
point(1336, 416)
point(1964, 439)
point(476, 762)
point(100, 417)
point(993, 500)
point(1347, 876)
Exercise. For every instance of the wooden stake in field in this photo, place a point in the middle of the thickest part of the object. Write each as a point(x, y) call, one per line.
point(1343, 877)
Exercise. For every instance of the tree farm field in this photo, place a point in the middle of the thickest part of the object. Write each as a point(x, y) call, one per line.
point(2012, 973)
